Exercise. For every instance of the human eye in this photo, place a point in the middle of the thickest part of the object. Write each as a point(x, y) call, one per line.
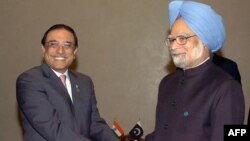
point(182, 38)
point(68, 45)
point(52, 44)
point(170, 39)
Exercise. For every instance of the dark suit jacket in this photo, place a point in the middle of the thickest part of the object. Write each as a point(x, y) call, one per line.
point(227, 65)
point(48, 113)
point(248, 121)
point(195, 104)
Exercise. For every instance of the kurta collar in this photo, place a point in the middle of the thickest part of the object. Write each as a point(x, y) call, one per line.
point(199, 69)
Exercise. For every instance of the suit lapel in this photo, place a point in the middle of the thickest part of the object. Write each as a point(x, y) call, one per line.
point(56, 83)
point(74, 86)
point(75, 93)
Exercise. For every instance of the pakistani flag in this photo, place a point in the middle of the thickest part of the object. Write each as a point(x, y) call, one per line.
point(137, 131)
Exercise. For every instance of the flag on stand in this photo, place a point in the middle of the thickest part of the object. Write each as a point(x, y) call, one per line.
point(136, 132)
point(117, 129)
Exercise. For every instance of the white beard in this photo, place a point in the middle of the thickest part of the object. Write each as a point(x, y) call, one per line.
point(184, 62)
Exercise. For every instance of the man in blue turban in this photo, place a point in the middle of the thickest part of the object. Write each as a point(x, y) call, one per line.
point(199, 98)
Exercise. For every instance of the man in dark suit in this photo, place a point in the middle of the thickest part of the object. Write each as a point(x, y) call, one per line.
point(55, 107)
point(228, 66)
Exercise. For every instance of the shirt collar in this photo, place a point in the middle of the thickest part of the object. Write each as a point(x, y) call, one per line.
point(58, 74)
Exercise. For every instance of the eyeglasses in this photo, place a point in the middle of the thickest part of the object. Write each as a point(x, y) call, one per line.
point(181, 39)
point(55, 44)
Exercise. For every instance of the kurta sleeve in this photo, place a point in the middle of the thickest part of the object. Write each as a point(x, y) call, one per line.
point(228, 108)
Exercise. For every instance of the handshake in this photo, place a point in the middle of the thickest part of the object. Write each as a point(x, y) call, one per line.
point(135, 133)
point(129, 138)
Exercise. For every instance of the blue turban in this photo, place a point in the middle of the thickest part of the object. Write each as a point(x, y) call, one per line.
point(202, 20)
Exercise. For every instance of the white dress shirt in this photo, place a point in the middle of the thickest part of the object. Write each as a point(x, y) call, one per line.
point(68, 84)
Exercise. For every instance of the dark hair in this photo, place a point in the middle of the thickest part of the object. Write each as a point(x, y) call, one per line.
point(60, 26)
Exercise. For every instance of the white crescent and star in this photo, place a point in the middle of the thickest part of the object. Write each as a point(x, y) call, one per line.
point(137, 131)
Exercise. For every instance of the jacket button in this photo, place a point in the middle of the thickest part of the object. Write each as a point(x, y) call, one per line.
point(173, 103)
point(165, 126)
point(186, 114)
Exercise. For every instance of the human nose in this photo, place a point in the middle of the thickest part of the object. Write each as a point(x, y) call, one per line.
point(60, 48)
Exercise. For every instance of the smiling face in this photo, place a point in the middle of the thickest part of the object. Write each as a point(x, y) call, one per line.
point(190, 54)
point(59, 51)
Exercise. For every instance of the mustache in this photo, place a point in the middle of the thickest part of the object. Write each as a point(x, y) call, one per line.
point(176, 52)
